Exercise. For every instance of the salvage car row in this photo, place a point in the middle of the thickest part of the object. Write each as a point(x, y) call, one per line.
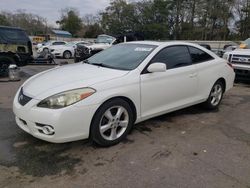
point(79, 50)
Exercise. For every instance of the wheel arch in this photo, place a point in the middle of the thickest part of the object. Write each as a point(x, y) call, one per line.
point(223, 80)
point(128, 100)
point(68, 52)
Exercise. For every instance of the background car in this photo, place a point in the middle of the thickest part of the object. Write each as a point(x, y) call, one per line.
point(240, 60)
point(45, 47)
point(207, 46)
point(66, 51)
point(84, 51)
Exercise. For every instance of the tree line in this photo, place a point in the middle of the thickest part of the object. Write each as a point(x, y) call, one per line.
point(155, 19)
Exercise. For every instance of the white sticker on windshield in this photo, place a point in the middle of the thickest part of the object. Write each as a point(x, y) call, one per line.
point(139, 49)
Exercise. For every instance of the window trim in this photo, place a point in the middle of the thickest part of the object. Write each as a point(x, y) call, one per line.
point(145, 71)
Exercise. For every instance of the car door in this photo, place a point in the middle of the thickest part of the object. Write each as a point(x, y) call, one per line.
point(207, 68)
point(166, 91)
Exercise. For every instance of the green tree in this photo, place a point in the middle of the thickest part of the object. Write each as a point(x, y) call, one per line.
point(70, 21)
point(4, 20)
point(32, 23)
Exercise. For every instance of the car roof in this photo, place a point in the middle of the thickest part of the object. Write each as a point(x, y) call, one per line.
point(166, 43)
point(12, 28)
point(171, 43)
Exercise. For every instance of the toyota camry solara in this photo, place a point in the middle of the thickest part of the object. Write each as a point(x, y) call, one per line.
point(104, 96)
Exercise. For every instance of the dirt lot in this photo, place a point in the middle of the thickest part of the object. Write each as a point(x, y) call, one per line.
point(188, 148)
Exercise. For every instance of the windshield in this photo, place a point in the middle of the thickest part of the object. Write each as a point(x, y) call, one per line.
point(70, 44)
point(104, 39)
point(47, 43)
point(247, 42)
point(122, 56)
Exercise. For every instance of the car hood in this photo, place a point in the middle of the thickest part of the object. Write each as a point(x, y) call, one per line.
point(67, 78)
point(240, 52)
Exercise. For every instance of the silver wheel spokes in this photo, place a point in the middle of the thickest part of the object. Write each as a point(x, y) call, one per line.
point(216, 95)
point(67, 55)
point(114, 123)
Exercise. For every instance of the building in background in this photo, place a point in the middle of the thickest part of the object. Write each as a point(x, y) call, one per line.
point(60, 34)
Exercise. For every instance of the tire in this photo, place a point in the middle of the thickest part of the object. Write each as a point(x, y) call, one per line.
point(67, 55)
point(4, 65)
point(215, 96)
point(46, 50)
point(111, 123)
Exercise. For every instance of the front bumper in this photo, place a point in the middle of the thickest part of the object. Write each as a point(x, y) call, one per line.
point(69, 124)
point(242, 71)
point(57, 54)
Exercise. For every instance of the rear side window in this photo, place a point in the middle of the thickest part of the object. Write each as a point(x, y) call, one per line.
point(199, 56)
point(174, 57)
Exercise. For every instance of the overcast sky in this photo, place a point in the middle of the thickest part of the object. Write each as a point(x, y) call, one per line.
point(50, 9)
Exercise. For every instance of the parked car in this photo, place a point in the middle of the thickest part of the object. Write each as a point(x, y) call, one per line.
point(15, 48)
point(207, 46)
point(128, 83)
point(240, 60)
point(44, 47)
point(66, 51)
point(84, 51)
point(39, 45)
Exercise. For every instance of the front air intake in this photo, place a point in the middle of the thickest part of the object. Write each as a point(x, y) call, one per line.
point(23, 99)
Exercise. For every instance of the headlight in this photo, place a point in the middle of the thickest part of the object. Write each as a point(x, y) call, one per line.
point(66, 98)
point(225, 56)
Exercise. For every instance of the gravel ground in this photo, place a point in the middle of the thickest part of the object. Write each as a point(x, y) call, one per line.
point(188, 148)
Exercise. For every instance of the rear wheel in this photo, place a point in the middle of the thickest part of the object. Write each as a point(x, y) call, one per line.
point(112, 122)
point(215, 96)
point(46, 50)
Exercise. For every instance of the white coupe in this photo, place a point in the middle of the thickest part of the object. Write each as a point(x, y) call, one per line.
point(103, 97)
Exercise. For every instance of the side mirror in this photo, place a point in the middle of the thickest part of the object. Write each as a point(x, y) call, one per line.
point(157, 67)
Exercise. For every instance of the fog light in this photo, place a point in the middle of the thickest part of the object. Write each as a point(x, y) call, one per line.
point(48, 130)
point(45, 129)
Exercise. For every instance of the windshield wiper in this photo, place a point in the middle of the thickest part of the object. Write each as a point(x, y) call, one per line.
point(102, 65)
point(86, 61)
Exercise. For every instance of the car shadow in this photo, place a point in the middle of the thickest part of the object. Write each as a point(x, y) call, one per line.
point(40, 158)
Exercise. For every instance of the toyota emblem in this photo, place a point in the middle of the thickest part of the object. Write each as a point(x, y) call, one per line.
point(20, 97)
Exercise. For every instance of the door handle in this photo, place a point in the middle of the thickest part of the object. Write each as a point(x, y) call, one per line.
point(193, 75)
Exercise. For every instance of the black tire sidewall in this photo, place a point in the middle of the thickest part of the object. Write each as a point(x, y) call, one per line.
point(95, 134)
point(46, 50)
point(208, 103)
point(64, 55)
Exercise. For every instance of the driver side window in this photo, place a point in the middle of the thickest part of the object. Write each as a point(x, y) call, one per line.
point(174, 57)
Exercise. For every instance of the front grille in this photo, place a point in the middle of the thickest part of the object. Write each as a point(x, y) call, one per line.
point(240, 59)
point(23, 99)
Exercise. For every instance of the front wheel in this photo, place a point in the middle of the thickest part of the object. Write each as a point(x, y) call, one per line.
point(67, 55)
point(111, 123)
point(215, 96)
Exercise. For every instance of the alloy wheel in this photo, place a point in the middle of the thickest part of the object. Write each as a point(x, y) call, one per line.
point(114, 123)
point(216, 95)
